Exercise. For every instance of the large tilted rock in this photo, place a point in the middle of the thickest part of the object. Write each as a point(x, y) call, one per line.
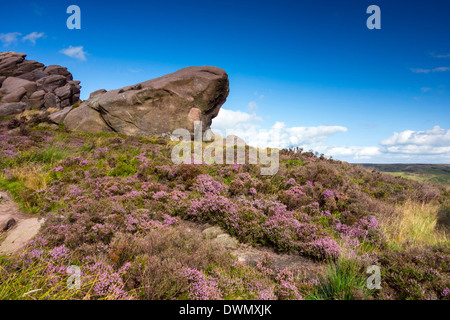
point(154, 107)
point(31, 84)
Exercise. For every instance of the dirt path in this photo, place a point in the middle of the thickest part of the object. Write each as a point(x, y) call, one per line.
point(16, 228)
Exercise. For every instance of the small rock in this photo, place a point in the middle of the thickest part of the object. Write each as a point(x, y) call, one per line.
point(58, 117)
point(58, 70)
point(15, 96)
point(11, 84)
point(24, 232)
point(227, 241)
point(15, 131)
point(11, 223)
point(52, 82)
point(97, 93)
point(36, 100)
point(9, 109)
point(51, 101)
point(213, 232)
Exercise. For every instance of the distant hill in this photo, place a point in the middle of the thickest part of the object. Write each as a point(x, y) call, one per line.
point(434, 173)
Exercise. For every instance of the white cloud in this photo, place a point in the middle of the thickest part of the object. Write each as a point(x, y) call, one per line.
point(247, 126)
point(418, 149)
point(417, 70)
point(229, 119)
point(440, 55)
point(242, 124)
point(9, 38)
point(432, 137)
point(310, 135)
point(356, 152)
point(425, 89)
point(441, 69)
point(32, 37)
point(75, 52)
point(426, 71)
point(431, 145)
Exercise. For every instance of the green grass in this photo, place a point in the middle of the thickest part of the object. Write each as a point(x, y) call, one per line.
point(18, 191)
point(34, 283)
point(46, 156)
point(343, 281)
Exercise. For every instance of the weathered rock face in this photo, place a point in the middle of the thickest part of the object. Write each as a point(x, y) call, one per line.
point(27, 84)
point(154, 107)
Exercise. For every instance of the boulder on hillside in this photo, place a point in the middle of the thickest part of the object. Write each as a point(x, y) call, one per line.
point(155, 107)
point(31, 83)
point(10, 109)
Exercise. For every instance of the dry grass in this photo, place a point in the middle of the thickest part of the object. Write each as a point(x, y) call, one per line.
point(413, 224)
point(52, 110)
point(33, 282)
point(28, 114)
point(31, 176)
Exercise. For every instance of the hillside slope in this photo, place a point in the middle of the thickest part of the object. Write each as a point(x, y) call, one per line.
point(117, 207)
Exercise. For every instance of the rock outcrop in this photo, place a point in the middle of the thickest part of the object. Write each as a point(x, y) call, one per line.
point(27, 84)
point(155, 107)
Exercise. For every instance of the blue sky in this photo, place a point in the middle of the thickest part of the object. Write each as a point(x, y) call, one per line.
point(310, 71)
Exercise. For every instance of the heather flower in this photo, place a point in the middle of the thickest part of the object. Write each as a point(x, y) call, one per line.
point(59, 253)
point(107, 283)
point(324, 247)
point(372, 223)
point(286, 289)
point(166, 171)
point(291, 182)
point(160, 195)
point(84, 162)
point(200, 286)
point(294, 197)
point(205, 184)
point(143, 161)
point(10, 153)
point(212, 206)
point(57, 169)
point(328, 193)
point(169, 220)
point(75, 191)
point(242, 184)
point(35, 253)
